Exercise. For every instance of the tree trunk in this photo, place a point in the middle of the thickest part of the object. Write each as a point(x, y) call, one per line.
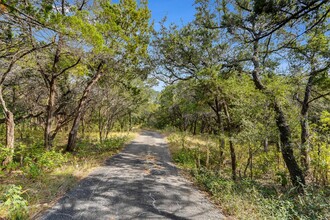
point(100, 132)
point(108, 127)
point(233, 160)
point(296, 173)
point(49, 116)
point(130, 120)
point(10, 131)
point(195, 125)
point(305, 160)
point(207, 162)
point(100, 125)
point(202, 125)
point(265, 145)
point(81, 109)
point(304, 125)
point(231, 143)
point(83, 127)
point(10, 139)
point(248, 162)
point(251, 162)
point(220, 130)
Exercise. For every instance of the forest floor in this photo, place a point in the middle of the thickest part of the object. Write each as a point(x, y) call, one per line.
point(139, 183)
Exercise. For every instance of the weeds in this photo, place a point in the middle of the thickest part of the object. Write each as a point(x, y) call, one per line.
point(45, 175)
point(15, 206)
point(246, 198)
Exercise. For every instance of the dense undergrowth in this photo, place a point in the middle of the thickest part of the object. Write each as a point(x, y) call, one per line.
point(36, 177)
point(262, 197)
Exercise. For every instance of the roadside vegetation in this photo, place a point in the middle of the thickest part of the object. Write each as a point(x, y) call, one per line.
point(39, 177)
point(72, 74)
point(253, 195)
point(247, 102)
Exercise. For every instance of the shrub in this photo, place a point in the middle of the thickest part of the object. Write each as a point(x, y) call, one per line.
point(185, 157)
point(51, 159)
point(265, 202)
point(15, 205)
point(113, 143)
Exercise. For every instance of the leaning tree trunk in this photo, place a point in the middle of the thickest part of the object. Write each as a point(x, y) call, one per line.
point(305, 159)
point(81, 109)
point(296, 174)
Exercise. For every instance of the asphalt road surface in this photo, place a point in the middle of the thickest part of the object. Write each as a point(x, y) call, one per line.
point(138, 183)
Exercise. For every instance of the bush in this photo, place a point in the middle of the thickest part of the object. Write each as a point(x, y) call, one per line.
point(51, 159)
point(4, 153)
point(35, 159)
point(113, 143)
point(15, 205)
point(32, 171)
point(266, 203)
point(185, 157)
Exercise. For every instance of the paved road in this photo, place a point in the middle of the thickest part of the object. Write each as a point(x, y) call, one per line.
point(139, 183)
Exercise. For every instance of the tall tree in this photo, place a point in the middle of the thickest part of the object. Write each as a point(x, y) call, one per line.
point(313, 55)
point(253, 25)
point(14, 46)
point(125, 30)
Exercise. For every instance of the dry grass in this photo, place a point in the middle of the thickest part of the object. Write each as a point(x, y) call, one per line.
point(43, 191)
point(246, 198)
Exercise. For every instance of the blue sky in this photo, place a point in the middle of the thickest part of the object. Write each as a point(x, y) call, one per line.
point(177, 11)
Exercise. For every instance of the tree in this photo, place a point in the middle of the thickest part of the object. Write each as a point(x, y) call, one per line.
point(194, 54)
point(252, 24)
point(313, 55)
point(125, 30)
point(15, 46)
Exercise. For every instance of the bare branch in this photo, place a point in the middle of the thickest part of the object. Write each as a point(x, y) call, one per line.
point(15, 59)
point(67, 68)
point(318, 97)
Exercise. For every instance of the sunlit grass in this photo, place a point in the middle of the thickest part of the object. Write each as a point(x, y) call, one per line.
point(259, 198)
point(42, 191)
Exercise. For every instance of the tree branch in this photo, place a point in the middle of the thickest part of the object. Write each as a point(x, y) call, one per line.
point(67, 68)
point(318, 97)
point(15, 59)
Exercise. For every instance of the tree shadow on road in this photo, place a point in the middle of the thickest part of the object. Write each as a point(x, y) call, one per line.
point(139, 183)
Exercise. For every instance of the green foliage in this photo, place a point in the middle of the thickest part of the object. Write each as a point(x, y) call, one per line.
point(325, 121)
point(249, 199)
point(35, 160)
point(32, 170)
point(4, 153)
point(51, 159)
point(282, 177)
point(113, 143)
point(239, 198)
point(14, 204)
point(185, 157)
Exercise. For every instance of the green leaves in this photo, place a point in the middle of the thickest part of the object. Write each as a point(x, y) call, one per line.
point(85, 30)
point(125, 27)
point(15, 204)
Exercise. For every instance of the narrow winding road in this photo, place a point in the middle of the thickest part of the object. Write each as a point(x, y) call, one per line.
point(138, 183)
